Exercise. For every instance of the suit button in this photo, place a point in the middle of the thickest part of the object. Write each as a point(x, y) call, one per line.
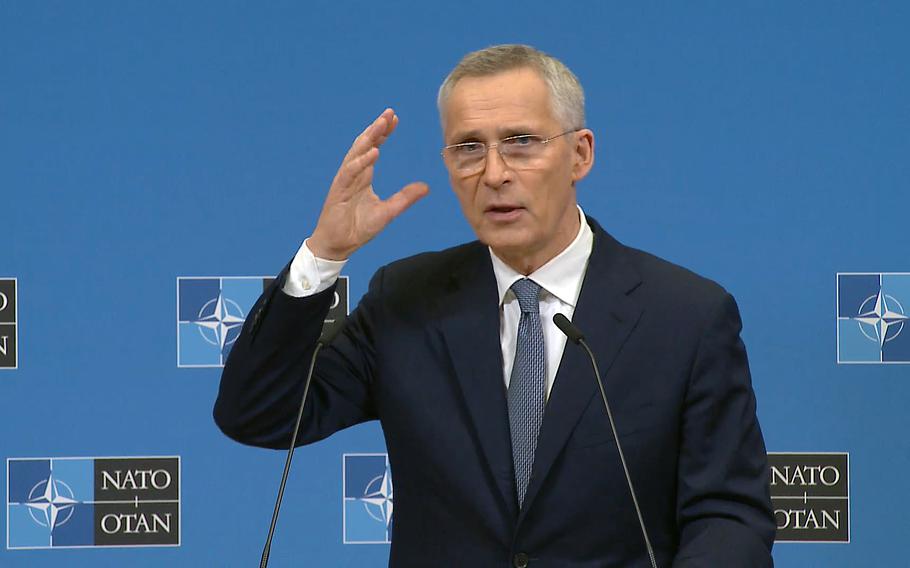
point(520, 560)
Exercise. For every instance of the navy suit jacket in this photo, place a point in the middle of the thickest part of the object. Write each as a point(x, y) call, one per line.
point(421, 354)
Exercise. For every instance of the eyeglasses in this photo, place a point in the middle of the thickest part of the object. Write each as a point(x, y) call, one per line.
point(518, 152)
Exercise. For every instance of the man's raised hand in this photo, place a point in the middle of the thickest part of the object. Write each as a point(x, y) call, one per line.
point(352, 213)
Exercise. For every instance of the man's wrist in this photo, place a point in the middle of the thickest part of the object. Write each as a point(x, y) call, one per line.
point(310, 274)
point(322, 252)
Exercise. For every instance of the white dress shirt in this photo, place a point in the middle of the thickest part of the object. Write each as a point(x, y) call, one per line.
point(560, 281)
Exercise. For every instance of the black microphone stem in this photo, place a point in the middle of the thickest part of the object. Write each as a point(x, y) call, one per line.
point(622, 458)
point(264, 561)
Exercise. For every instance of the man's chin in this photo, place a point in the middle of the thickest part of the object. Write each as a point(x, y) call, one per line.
point(509, 238)
point(509, 248)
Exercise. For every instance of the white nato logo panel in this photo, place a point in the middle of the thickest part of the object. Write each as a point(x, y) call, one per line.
point(367, 499)
point(91, 502)
point(871, 317)
point(210, 314)
point(211, 311)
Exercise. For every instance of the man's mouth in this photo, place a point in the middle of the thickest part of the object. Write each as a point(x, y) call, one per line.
point(503, 212)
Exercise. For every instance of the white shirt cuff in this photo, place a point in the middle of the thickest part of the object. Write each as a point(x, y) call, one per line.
point(310, 275)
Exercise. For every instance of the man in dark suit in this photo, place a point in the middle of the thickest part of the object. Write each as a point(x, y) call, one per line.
point(500, 447)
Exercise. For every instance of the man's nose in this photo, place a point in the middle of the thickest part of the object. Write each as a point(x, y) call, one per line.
point(496, 172)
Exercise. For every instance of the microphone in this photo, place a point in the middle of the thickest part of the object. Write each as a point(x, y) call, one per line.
point(324, 339)
point(577, 337)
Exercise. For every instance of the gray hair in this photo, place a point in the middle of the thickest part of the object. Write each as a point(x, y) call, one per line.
point(566, 95)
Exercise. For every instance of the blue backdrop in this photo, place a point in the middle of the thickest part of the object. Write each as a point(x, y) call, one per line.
point(760, 144)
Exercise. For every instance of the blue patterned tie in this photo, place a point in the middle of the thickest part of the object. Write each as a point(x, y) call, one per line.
point(527, 385)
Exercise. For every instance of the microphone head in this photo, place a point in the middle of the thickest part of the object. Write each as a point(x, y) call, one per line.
point(573, 333)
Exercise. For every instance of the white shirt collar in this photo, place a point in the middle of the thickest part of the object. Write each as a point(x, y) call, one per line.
point(561, 276)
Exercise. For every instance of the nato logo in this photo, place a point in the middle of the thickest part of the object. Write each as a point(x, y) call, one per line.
point(810, 494)
point(872, 316)
point(211, 312)
point(367, 514)
point(92, 502)
point(8, 324)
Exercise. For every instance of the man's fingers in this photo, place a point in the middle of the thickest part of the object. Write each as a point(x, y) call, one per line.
point(378, 132)
point(352, 169)
point(406, 196)
point(365, 150)
point(374, 134)
point(392, 124)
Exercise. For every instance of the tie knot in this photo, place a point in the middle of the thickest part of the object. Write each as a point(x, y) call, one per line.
point(527, 292)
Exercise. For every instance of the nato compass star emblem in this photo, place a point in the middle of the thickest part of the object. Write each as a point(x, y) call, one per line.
point(217, 318)
point(51, 502)
point(871, 317)
point(368, 499)
point(377, 498)
point(881, 318)
point(113, 501)
point(211, 311)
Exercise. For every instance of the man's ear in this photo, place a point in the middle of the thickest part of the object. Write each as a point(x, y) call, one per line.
point(582, 154)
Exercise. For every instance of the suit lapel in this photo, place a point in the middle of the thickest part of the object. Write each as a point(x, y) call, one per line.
point(470, 325)
point(606, 314)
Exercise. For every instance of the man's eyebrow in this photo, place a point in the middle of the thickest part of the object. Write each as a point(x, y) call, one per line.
point(516, 131)
point(503, 132)
point(470, 135)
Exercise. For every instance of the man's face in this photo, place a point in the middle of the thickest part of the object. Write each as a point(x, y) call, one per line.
point(527, 214)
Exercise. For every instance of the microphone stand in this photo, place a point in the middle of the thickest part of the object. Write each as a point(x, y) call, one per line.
point(575, 335)
point(264, 561)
